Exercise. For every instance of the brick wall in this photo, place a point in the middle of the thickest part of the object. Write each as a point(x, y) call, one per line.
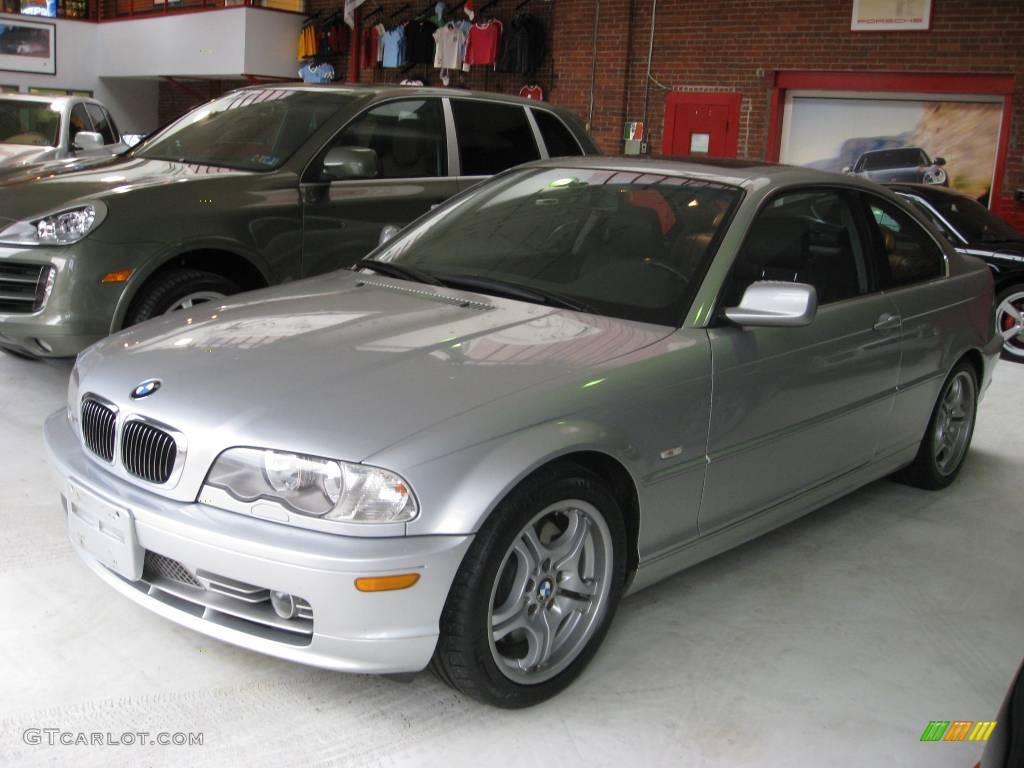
point(738, 45)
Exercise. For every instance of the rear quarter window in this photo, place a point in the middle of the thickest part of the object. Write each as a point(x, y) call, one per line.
point(557, 137)
point(492, 137)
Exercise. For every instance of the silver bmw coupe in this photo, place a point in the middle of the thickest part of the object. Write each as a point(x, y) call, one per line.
point(561, 386)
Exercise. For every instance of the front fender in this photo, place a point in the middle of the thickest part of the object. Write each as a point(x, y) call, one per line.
point(168, 254)
point(458, 492)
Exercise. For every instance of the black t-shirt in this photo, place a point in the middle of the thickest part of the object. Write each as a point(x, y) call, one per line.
point(419, 41)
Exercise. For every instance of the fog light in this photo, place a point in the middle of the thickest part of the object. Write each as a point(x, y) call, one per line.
point(283, 604)
point(44, 287)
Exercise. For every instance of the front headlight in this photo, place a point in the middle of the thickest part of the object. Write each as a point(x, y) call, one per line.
point(73, 400)
point(58, 228)
point(309, 485)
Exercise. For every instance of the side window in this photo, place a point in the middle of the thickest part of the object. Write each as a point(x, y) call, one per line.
point(104, 125)
point(909, 253)
point(557, 138)
point(807, 236)
point(927, 211)
point(408, 137)
point(78, 121)
point(492, 137)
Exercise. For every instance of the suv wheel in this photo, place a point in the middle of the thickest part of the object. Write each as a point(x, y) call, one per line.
point(178, 289)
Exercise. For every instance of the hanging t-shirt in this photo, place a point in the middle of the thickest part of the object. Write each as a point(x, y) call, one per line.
point(449, 41)
point(308, 42)
point(483, 44)
point(394, 48)
point(318, 73)
point(368, 49)
point(534, 92)
point(420, 37)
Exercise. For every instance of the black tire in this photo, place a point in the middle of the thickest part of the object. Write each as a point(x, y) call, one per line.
point(1016, 354)
point(925, 471)
point(463, 658)
point(168, 288)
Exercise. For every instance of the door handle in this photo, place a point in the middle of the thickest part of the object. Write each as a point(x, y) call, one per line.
point(888, 322)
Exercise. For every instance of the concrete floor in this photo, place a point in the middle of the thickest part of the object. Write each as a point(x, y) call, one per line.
point(831, 642)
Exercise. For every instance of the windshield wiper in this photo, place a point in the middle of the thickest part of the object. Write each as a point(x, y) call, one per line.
point(396, 270)
point(512, 291)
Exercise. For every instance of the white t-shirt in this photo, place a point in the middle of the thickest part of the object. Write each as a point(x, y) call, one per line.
point(449, 46)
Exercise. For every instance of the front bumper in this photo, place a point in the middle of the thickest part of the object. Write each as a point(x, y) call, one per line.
point(80, 309)
point(382, 632)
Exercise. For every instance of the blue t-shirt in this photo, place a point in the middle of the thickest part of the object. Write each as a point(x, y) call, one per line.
point(320, 73)
point(393, 42)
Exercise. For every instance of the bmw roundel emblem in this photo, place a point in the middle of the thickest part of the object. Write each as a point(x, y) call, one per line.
point(145, 389)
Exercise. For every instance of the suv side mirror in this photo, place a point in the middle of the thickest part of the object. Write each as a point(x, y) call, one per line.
point(86, 140)
point(847, 169)
point(775, 304)
point(938, 161)
point(350, 163)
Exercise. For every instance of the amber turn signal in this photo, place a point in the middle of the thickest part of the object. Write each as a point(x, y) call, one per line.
point(386, 583)
point(120, 276)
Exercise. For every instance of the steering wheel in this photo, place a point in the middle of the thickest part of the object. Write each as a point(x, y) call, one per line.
point(667, 268)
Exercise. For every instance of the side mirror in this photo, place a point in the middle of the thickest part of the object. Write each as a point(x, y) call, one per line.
point(388, 232)
point(131, 139)
point(938, 161)
point(847, 169)
point(775, 304)
point(86, 140)
point(351, 163)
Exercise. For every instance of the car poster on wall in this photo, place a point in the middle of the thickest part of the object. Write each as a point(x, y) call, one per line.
point(28, 46)
point(880, 15)
point(950, 141)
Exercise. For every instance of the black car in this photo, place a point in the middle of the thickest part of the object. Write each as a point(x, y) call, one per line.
point(973, 229)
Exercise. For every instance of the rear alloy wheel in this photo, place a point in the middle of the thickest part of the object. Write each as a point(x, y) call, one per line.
point(536, 592)
point(945, 444)
point(178, 289)
point(1010, 322)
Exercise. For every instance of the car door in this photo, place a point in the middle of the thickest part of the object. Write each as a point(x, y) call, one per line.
point(342, 220)
point(914, 271)
point(795, 407)
point(491, 137)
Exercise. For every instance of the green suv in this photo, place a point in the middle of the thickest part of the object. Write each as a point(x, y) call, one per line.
point(259, 187)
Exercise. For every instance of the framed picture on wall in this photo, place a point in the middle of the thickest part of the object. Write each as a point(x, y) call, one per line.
point(28, 46)
point(881, 15)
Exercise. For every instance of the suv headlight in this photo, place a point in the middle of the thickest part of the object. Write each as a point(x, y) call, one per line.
point(58, 228)
point(309, 485)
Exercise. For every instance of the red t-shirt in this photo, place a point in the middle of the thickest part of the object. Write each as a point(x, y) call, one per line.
point(532, 92)
point(368, 58)
point(483, 43)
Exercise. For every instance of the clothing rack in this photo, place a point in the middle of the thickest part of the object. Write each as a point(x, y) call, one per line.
point(523, 4)
point(373, 13)
point(399, 12)
point(485, 6)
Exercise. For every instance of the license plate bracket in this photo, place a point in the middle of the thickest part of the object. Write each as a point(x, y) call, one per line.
point(106, 531)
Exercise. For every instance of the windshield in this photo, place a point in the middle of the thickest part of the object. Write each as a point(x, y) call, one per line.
point(974, 222)
point(34, 124)
point(251, 130)
point(893, 158)
point(627, 245)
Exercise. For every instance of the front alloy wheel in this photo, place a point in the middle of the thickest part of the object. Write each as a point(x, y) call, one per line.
point(551, 591)
point(536, 591)
point(1010, 322)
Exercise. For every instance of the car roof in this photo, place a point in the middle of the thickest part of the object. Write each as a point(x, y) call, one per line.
point(385, 91)
point(43, 98)
point(735, 172)
point(932, 191)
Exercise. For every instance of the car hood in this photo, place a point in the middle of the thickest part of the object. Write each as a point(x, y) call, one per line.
point(21, 154)
point(345, 365)
point(38, 190)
